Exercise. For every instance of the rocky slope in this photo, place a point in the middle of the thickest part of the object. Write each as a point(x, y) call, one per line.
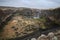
point(19, 22)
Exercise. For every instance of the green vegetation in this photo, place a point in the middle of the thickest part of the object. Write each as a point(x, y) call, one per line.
point(41, 22)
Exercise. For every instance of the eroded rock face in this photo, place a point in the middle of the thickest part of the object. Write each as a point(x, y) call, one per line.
point(5, 13)
point(52, 14)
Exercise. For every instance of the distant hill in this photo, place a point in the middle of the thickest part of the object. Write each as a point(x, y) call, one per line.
point(5, 11)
